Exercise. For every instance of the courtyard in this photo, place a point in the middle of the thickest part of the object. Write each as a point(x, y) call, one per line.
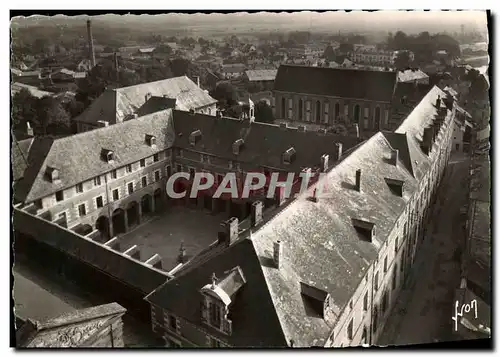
point(192, 228)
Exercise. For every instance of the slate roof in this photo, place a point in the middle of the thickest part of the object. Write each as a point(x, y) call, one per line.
point(233, 68)
point(334, 82)
point(410, 75)
point(321, 247)
point(20, 152)
point(65, 154)
point(264, 143)
point(116, 105)
point(17, 87)
point(261, 75)
point(252, 310)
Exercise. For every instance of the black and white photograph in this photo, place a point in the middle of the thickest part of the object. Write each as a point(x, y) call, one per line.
point(250, 179)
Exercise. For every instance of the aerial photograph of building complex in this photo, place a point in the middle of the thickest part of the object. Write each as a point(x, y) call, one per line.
point(251, 179)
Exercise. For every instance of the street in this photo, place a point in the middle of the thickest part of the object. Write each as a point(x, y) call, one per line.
point(422, 313)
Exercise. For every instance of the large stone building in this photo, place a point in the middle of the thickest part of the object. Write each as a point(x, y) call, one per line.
point(323, 270)
point(122, 104)
point(92, 180)
point(323, 97)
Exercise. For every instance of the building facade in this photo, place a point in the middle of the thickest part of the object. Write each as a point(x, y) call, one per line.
point(323, 97)
point(122, 104)
point(287, 281)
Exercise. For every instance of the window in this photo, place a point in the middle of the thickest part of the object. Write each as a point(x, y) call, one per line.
point(385, 302)
point(376, 281)
point(113, 174)
point(301, 109)
point(394, 277)
point(337, 110)
point(357, 113)
point(365, 302)
point(157, 175)
point(318, 111)
point(130, 188)
point(214, 343)
point(178, 168)
point(79, 188)
point(215, 315)
point(59, 196)
point(375, 319)
point(308, 110)
point(168, 171)
point(290, 108)
point(364, 336)
point(350, 329)
point(283, 110)
point(173, 323)
point(143, 163)
point(385, 265)
point(97, 181)
point(402, 260)
point(99, 202)
point(116, 195)
point(396, 245)
point(81, 210)
point(326, 112)
point(144, 181)
point(156, 157)
point(129, 168)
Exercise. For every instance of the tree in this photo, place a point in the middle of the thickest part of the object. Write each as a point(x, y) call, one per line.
point(202, 42)
point(163, 49)
point(226, 94)
point(400, 41)
point(180, 67)
point(329, 54)
point(346, 48)
point(402, 60)
point(52, 118)
point(23, 109)
point(263, 112)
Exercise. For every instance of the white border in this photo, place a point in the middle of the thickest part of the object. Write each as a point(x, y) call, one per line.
point(256, 4)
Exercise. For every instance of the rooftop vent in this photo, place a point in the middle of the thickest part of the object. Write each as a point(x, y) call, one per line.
point(289, 156)
point(365, 229)
point(108, 156)
point(278, 254)
point(53, 174)
point(194, 137)
point(396, 186)
point(301, 128)
point(237, 146)
point(322, 131)
point(339, 150)
point(324, 162)
point(283, 126)
point(357, 185)
point(151, 140)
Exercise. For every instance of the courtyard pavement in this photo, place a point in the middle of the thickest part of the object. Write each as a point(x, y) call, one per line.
point(196, 229)
point(423, 310)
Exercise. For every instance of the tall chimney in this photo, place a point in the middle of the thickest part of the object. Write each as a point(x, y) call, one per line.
point(339, 150)
point(358, 180)
point(91, 43)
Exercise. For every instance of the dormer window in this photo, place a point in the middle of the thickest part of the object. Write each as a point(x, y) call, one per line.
point(365, 229)
point(318, 300)
point(396, 186)
point(217, 298)
point(237, 146)
point(289, 156)
point(108, 156)
point(53, 174)
point(151, 140)
point(194, 137)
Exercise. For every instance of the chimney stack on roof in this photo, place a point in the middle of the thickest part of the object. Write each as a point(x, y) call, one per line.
point(256, 208)
point(278, 254)
point(29, 129)
point(339, 150)
point(91, 43)
point(395, 157)
point(229, 231)
point(324, 162)
point(356, 127)
point(358, 180)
